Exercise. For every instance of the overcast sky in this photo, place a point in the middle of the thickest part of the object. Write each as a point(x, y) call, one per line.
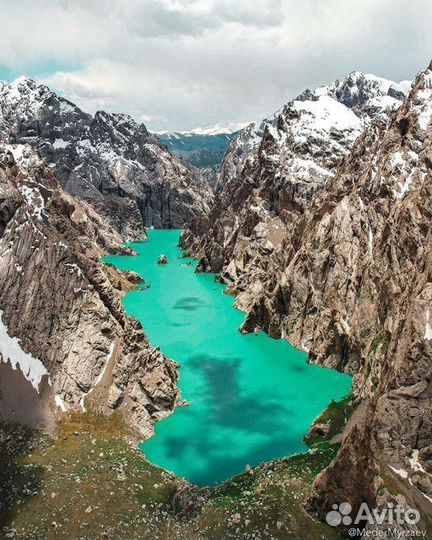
point(180, 64)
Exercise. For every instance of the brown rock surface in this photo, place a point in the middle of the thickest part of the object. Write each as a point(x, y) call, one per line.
point(60, 300)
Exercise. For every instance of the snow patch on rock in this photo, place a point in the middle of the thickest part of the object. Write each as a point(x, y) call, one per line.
point(60, 143)
point(99, 378)
point(60, 403)
point(10, 349)
point(327, 113)
point(401, 472)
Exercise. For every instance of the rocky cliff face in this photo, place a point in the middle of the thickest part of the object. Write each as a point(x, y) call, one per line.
point(333, 251)
point(63, 327)
point(269, 181)
point(355, 290)
point(108, 160)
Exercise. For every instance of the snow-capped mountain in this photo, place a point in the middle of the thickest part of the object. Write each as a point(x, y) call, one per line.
point(341, 109)
point(124, 171)
point(222, 128)
point(275, 168)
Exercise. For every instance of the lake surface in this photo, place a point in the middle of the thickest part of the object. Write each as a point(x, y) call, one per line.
point(252, 398)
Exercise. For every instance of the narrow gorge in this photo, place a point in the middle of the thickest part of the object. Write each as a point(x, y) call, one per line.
point(227, 363)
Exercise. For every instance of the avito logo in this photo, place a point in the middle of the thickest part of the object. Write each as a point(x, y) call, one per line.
point(390, 515)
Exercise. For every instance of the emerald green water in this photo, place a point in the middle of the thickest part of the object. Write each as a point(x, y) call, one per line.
point(252, 398)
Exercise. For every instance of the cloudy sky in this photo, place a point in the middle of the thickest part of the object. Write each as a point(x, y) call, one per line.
point(180, 64)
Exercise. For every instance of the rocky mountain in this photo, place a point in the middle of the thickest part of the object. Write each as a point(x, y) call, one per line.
point(323, 232)
point(204, 148)
point(275, 168)
point(108, 160)
point(242, 147)
point(66, 342)
point(374, 247)
point(365, 94)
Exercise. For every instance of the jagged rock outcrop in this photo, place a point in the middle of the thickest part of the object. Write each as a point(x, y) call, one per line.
point(162, 259)
point(339, 262)
point(241, 148)
point(62, 319)
point(108, 160)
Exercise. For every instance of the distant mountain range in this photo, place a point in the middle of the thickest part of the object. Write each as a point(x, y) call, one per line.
point(204, 148)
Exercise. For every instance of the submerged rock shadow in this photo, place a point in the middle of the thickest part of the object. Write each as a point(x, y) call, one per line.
point(189, 303)
point(218, 464)
point(232, 416)
point(229, 407)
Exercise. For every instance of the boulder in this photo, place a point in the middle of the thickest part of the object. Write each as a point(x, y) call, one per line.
point(163, 259)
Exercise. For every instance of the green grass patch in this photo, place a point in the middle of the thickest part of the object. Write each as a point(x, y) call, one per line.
point(91, 481)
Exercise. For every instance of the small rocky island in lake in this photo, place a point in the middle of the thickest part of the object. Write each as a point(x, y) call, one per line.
point(163, 259)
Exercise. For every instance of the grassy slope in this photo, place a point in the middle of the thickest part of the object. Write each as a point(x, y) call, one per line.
point(92, 482)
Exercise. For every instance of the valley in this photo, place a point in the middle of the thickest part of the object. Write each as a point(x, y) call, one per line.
point(186, 361)
point(202, 148)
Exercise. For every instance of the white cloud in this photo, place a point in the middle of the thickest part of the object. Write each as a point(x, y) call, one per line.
point(183, 63)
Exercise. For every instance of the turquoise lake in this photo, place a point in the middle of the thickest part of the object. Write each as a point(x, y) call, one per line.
point(252, 398)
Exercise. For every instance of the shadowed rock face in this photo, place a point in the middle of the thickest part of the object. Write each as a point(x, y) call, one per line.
point(65, 305)
point(109, 160)
point(343, 269)
point(21, 402)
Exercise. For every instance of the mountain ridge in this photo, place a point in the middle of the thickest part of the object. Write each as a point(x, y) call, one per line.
point(107, 159)
point(64, 306)
point(249, 139)
point(222, 128)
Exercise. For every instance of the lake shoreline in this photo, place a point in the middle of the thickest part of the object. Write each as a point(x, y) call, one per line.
point(241, 388)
